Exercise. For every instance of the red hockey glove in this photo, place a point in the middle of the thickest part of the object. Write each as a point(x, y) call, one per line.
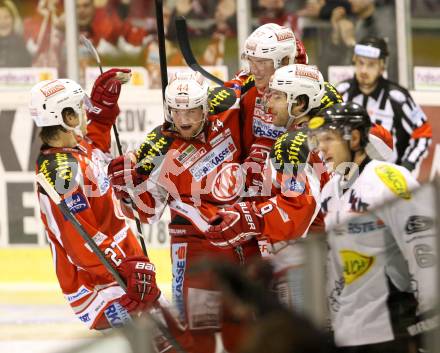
point(105, 95)
point(254, 166)
point(235, 225)
point(301, 54)
point(122, 174)
point(140, 275)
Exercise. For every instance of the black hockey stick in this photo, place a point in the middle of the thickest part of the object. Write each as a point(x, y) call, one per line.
point(185, 48)
point(53, 195)
point(161, 44)
point(92, 50)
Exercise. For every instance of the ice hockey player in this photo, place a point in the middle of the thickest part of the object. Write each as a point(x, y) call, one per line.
point(387, 103)
point(191, 164)
point(73, 159)
point(296, 93)
point(268, 48)
point(382, 260)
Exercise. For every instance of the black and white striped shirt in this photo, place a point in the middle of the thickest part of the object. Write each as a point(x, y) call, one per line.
point(391, 106)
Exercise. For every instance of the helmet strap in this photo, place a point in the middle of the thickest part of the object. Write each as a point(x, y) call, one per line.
point(293, 118)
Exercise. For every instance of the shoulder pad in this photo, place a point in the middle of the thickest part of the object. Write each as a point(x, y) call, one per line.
point(343, 87)
point(290, 151)
point(221, 99)
point(398, 95)
point(152, 151)
point(394, 179)
point(59, 169)
point(248, 83)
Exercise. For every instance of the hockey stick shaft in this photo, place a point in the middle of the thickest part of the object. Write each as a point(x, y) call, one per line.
point(161, 44)
point(53, 195)
point(92, 50)
point(185, 48)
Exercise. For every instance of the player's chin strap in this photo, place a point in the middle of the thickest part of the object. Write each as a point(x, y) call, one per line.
point(293, 118)
point(202, 126)
point(75, 129)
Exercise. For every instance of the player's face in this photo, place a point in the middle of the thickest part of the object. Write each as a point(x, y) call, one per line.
point(277, 103)
point(85, 11)
point(187, 121)
point(333, 147)
point(6, 22)
point(368, 71)
point(262, 69)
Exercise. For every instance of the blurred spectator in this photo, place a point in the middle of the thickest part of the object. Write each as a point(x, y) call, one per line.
point(274, 11)
point(13, 52)
point(44, 34)
point(107, 31)
point(352, 20)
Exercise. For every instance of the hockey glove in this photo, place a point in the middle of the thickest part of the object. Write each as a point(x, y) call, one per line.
point(105, 95)
point(123, 175)
point(254, 166)
point(234, 225)
point(140, 275)
point(301, 54)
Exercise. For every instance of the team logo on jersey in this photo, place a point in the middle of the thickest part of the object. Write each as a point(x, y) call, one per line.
point(292, 184)
point(76, 203)
point(85, 318)
point(417, 224)
point(222, 152)
point(100, 174)
point(80, 293)
point(365, 227)
point(117, 315)
point(228, 183)
point(355, 265)
point(357, 205)
point(187, 153)
point(394, 180)
point(268, 130)
point(178, 255)
point(220, 137)
point(98, 238)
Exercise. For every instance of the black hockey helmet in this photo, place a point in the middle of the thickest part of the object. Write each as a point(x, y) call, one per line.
point(372, 47)
point(344, 117)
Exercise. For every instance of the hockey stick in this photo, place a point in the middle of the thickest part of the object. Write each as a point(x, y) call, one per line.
point(161, 44)
point(92, 50)
point(185, 48)
point(62, 206)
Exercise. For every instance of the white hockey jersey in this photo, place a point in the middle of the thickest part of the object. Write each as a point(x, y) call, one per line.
point(381, 260)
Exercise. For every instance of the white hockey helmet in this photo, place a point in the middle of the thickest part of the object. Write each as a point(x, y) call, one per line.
point(297, 80)
point(186, 90)
point(49, 98)
point(271, 41)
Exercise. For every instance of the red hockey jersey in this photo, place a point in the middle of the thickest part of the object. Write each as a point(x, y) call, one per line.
point(79, 175)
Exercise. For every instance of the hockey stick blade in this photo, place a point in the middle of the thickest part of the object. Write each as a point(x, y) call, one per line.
point(83, 40)
point(185, 48)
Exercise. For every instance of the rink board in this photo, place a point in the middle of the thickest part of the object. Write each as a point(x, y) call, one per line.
point(31, 269)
